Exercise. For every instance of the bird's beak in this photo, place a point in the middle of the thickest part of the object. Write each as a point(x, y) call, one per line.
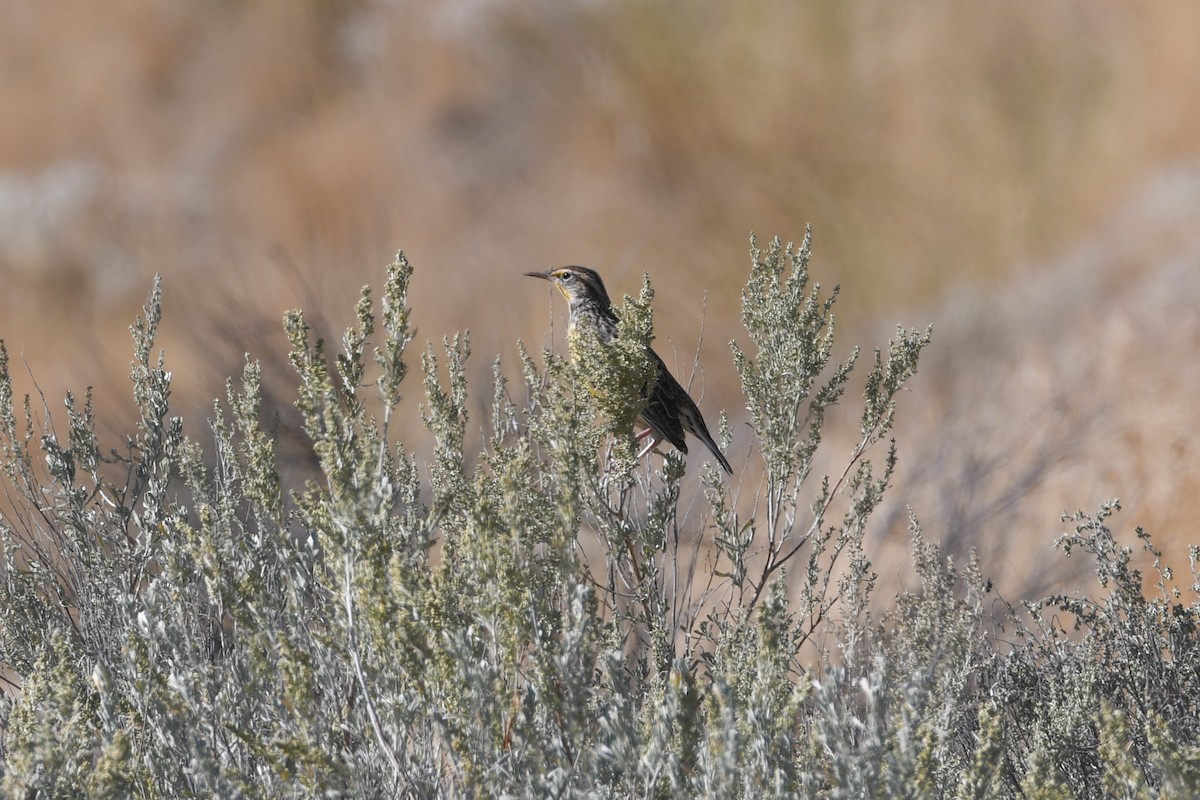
point(543, 275)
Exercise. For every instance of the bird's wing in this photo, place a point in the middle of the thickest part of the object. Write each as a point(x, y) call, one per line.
point(661, 412)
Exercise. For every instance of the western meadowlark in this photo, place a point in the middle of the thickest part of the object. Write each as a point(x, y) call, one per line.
point(669, 410)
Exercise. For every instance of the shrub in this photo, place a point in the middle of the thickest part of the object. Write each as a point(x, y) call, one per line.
point(184, 625)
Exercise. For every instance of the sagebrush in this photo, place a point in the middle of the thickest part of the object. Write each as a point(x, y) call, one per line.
point(542, 616)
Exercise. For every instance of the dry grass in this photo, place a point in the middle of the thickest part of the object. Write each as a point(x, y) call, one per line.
point(273, 154)
point(1074, 385)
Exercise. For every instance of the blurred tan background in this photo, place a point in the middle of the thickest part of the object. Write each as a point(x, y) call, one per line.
point(1026, 176)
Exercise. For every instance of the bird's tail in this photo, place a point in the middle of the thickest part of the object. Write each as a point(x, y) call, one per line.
point(692, 420)
point(712, 446)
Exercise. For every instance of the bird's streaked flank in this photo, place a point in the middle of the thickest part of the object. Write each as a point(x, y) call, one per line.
point(669, 410)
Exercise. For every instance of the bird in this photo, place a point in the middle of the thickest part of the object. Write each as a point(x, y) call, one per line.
point(669, 411)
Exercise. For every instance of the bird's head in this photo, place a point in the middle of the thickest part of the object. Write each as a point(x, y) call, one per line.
point(578, 284)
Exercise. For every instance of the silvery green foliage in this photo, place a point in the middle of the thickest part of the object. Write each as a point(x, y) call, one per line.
point(179, 623)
